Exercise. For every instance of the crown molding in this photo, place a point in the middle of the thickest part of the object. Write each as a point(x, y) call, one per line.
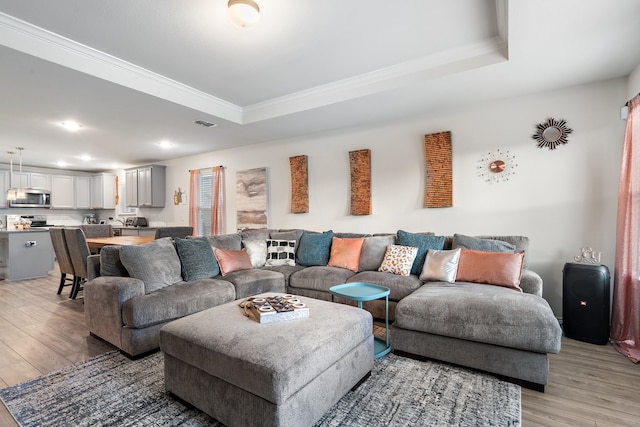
point(30, 39)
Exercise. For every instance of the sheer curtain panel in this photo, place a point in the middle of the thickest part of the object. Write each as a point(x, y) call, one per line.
point(625, 316)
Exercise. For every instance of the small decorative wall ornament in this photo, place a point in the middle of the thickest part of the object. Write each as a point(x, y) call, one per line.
point(551, 133)
point(497, 166)
point(588, 256)
point(179, 198)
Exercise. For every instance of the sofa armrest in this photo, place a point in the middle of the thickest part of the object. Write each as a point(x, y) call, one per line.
point(103, 300)
point(531, 282)
point(93, 266)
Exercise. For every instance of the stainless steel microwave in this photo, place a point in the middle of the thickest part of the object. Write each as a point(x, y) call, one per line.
point(34, 198)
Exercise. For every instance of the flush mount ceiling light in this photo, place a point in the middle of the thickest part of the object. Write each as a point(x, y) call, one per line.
point(244, 13)
point(71, 126)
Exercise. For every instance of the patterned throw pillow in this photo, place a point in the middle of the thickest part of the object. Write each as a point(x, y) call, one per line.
point(398, 260)
point(257, 250)
point(280, 252)
point(441, 266)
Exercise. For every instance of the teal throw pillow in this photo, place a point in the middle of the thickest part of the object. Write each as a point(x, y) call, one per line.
point(314, 248)
point(421, 241)
point(197, 259)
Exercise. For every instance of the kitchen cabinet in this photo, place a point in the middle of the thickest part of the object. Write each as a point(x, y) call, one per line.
point(62, 192)
point(32, 179)
point(4, 186)
point(146, 186)
point(82, 189)
point(103, 191)
point(25, 254)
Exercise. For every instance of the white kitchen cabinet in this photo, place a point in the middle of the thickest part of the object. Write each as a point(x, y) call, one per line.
point(32, 180)
point(103, 191)
point(4, 186)
point(131, 187)
point(62, 192)
point(146, 186)
point(82, 192)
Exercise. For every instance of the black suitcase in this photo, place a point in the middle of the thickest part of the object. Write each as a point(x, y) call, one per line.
point(586, 302)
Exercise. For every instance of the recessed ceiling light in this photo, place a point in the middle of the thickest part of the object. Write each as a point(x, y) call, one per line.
point(61, 163)
point(204, 123)
point(71, 125)
point(165, 144)
point(85, 157)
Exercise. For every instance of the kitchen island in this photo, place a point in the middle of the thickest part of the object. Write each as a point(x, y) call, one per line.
point(25, 254)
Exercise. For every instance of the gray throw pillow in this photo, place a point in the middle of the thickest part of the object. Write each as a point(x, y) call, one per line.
point(373, 250)
point(110, 264)
point(477, 244)
point(232, 242)
point(197, 259)
point(156, 263)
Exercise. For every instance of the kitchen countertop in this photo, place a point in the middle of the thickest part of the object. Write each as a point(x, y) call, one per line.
point(27, 230)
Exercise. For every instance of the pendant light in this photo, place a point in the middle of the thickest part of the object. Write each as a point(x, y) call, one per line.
point(11, 192)
point(20, 193)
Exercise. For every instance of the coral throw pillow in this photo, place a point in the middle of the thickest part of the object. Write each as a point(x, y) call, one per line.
point(345, 252)
point(493, 268)
point(232, 260)
point(398, 260)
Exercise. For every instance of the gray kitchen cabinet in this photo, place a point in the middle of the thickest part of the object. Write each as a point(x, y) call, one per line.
point(146, 186)
point(62, 192)
point(25, 254)
point(103, 191)
point(82, 192)
point(4, 186)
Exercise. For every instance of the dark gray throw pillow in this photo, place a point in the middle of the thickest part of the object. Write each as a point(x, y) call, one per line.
point(197, 259)
point(156, 263)
point(476, 244)
point(110, 264)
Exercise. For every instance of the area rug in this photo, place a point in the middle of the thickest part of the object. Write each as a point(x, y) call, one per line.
point(111, 390)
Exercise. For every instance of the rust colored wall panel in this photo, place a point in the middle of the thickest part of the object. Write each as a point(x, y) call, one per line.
point(439, 176)
point(360, 162)
point(299, 184)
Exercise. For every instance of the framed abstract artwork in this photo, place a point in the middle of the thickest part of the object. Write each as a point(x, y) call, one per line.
point(252, 201)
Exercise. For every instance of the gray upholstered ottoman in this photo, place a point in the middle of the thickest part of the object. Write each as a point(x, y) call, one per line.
point(287, 373)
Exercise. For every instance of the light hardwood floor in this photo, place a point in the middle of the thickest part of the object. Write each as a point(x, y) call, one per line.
point(589, 385)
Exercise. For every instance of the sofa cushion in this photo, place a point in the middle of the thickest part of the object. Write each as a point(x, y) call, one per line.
point(478, 244)
point(493, 268)
point(110, 264)
point(398, 259)
point(319, 278)
point(345, 252)
point(196, 258)
point(175, 301)
point(259, 234)
point(257, 250)
point(314, 248)
point(280, 252)
point(399, 286)
point(520, 243)
point(373, 250)
point(232, 260)
point(287, 235)
point(226, 241)
point(441, 266)
point(423, 242)
point(155, 263)
point(256, 281)
point(486, 314)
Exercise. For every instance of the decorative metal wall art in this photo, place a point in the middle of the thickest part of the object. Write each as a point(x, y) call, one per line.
point(360, 164)
point(299, 184)
point(438, 191)
point(551, 133)
point(497, 166)
point(251, 199)
point(587, 256)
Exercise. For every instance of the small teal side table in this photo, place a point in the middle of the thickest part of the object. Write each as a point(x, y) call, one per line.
point(361, 291)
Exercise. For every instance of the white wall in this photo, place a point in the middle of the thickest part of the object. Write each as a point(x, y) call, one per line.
point(563, 199)
point(634, 83)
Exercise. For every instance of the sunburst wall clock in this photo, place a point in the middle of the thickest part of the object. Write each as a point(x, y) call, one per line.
point(497, 166)
point(551, 133)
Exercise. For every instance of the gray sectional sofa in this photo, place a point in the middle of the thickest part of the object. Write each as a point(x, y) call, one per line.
point(134, 291)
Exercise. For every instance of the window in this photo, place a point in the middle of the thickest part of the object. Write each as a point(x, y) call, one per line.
point(205, 187)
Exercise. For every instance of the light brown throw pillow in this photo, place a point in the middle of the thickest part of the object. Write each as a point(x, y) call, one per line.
point(345, 252)
point(232, 260)
point(492, 268)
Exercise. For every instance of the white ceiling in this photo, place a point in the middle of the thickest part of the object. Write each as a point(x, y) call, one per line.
point(135, 73)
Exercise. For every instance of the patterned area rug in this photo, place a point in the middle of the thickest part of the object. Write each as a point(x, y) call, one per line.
point(111, 390)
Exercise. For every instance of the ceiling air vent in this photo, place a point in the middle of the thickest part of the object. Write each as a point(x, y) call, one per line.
point(204, 123)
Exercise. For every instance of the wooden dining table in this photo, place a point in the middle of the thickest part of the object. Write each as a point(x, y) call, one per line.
point(96, 243)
